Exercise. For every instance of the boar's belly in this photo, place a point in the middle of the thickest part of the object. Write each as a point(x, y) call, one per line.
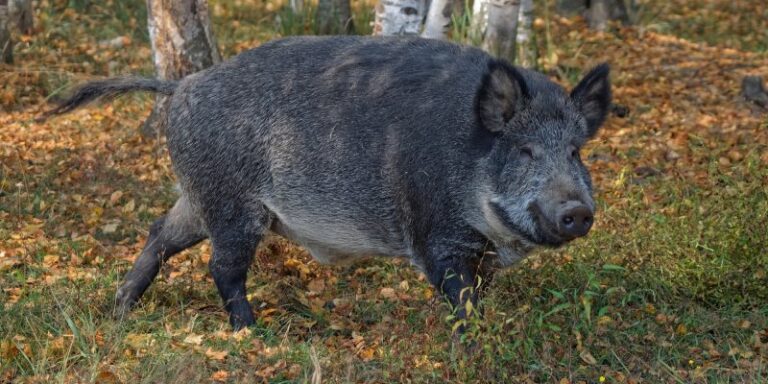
point(338, 241)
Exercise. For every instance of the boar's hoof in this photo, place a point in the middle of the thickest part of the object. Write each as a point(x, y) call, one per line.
point(239, 322)
point(125, 299)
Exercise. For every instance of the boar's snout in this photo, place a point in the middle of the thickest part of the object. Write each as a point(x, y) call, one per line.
point(574, 219)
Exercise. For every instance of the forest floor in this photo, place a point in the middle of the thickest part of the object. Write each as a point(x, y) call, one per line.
point(670, 286)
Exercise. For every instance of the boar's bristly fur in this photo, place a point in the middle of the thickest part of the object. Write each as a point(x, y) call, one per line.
point(359, 146)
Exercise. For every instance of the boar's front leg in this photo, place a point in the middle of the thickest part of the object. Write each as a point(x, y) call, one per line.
point(452, 273)
point(234, 244)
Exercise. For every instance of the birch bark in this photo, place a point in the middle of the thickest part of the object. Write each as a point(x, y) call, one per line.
point(439, 19)
point(398, 17)
point(526, 48)
point(496, 26)
point(182, 43)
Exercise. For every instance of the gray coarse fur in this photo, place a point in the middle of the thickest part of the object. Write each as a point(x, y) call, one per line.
point(359, 146)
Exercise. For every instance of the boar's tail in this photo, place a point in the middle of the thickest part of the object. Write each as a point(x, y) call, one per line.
point(109, 89)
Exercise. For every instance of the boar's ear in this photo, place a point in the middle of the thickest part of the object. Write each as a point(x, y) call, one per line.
point(501, 94)
point(593, 96)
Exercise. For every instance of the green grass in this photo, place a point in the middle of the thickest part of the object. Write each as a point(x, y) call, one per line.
point(669, 287)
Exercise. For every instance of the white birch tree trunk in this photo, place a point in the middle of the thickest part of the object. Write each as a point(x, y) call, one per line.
point(526, 48)
point(439, 19)
point(182, 43)
point(399, 17)
point(297, 6)
point(6, 44)
point(479, 21)
point(496, 26)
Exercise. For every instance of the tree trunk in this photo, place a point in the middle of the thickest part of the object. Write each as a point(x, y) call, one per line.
point(598, 12)
point(6, 44)
point(598, 15)
point(479, 21)
point(21, 15)
point(526, 47)
point(398, 17)
point(297, 6)
point(571, 7)
point(624, 11)
point(182, 43)
point(334, 17)
point(497, 26)
point(439, 19)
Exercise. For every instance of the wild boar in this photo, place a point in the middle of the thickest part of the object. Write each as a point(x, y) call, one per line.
point(362, 146)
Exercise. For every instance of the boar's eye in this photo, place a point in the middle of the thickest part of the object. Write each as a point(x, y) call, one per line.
point(575, 153)
point(527, 152)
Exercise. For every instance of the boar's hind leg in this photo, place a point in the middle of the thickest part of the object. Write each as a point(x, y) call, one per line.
point(234, 244)
point(168, 235)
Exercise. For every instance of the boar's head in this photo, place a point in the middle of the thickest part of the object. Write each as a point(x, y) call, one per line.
point(534, 188)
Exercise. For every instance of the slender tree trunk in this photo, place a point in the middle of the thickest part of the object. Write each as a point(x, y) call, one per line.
point(571, 7)
point(526, 47)
point(334, 17)
point(399, 17)
point(297, 6)
point(6, 44)
point(497, 26)
point(479, 21)
point(21, 15)
point(182, 43)
point(439, 19)
point(624, 11)
point(598, 14)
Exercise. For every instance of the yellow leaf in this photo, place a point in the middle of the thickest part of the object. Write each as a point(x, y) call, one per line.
point(8, 350)
point(138, 341)
point(587, 357)
point(106, 376)
point(115, 196)
point(193, 339)
point(50, 260)
point(7, 263)
point(316, 285)
point(469, 307)
point(130, 206)
point(220, 376)
point(216, 355)
point(604, 320)
point(388, 293)
point(109, 228)
point(241, 334)
point(367, 354)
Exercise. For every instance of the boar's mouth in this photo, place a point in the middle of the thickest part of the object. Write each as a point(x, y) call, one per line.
point(546, 229)
point(543, 234)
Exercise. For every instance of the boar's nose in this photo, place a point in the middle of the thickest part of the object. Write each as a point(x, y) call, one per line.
point(574, 219)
